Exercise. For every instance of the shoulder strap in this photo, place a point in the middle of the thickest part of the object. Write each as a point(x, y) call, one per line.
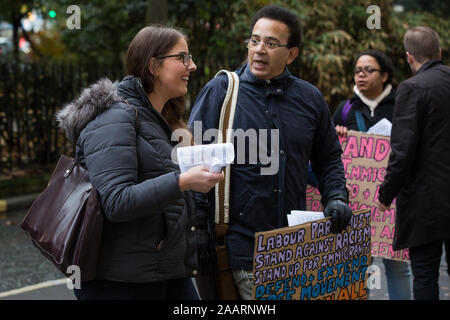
point(222, 189)
point(360, 121)
point(345, 112)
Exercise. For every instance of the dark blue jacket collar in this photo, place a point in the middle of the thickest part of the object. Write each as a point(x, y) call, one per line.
point(275, 86)
point(247, 75)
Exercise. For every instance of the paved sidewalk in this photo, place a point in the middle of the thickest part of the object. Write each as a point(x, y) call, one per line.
point(49, 290)
point(21, 264)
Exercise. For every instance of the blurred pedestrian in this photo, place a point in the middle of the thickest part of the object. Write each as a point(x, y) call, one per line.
point(374, 100)
point(150, 243)
point(418, 172)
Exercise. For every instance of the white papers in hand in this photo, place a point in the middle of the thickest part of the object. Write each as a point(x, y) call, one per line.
point(382, 128)
point(215, 156)
point(300, 217)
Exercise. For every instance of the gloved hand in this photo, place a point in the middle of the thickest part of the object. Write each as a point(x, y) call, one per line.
point(338, 209)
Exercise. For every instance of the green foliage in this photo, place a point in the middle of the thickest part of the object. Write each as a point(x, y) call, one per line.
point(437, 7)
point(334, 32)
point(217, 31)
point(107, 27)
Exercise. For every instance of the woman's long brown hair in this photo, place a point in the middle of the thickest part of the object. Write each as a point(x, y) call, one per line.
point(153, 41)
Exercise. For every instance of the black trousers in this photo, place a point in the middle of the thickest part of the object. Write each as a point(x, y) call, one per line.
point(179, 289)
point(425, 262)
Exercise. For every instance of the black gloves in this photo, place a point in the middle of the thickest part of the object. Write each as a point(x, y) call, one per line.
point(338, 209)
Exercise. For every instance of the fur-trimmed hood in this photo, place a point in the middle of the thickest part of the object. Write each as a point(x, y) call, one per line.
point(93, 100)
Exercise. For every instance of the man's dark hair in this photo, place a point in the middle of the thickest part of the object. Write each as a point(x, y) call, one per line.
point(383, 60)
point(287, 17)
point(423, 43)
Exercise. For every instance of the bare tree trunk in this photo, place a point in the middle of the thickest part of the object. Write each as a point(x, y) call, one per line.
point(157, 11)
point(16, 17)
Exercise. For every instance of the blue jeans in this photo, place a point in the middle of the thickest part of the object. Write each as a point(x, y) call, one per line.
point(398, 278)
point(244, 282)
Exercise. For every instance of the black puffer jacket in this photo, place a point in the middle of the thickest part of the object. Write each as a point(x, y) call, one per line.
point(151, 231)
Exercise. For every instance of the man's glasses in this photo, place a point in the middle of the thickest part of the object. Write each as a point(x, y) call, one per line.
point(185, 56)
point(269, 44)
point(365, 70)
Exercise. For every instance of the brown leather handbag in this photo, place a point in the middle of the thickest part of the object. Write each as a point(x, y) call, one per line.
point(65, 222)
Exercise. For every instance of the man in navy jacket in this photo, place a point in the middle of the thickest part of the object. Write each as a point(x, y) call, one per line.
point(292, 122)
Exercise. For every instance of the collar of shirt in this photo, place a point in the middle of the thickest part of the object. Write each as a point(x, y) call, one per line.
point(275, 86)
point(373, 103)
point(430, 63)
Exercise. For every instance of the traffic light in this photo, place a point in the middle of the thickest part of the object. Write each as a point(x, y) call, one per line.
point(52, 14)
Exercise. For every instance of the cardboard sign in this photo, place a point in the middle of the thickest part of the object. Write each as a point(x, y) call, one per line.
point(365, 158)
point(308, 262)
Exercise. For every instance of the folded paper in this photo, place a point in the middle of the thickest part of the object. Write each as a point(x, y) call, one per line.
point(215, 156)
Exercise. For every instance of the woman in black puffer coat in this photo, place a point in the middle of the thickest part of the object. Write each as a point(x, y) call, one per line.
point(152, 236)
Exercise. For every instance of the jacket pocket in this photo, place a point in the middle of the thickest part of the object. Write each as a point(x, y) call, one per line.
point(240, 205)
point(176, 217)
point(152, 232)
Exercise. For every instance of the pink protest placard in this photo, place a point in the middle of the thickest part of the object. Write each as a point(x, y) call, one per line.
point(365, 158)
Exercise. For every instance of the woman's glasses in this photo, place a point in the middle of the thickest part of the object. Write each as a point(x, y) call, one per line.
point(185, 56)
point(366, 70)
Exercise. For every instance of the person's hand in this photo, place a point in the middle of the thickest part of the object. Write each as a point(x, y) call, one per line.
point(199, 179)
point(341, 131)
point(338, 209)
point(382, 207)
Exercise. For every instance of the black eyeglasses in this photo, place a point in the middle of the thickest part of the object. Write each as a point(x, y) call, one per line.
point(185, 56)
point(365, 70)
point(269, 44)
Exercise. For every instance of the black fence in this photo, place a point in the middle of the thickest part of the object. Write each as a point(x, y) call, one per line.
point(30, 95)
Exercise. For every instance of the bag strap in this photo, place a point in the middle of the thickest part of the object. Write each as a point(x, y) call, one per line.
point(360, 121)
point(222, 189)
point(345, 112)
point(359, 118)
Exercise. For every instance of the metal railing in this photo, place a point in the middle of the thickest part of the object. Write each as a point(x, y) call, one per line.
point(30, 95)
